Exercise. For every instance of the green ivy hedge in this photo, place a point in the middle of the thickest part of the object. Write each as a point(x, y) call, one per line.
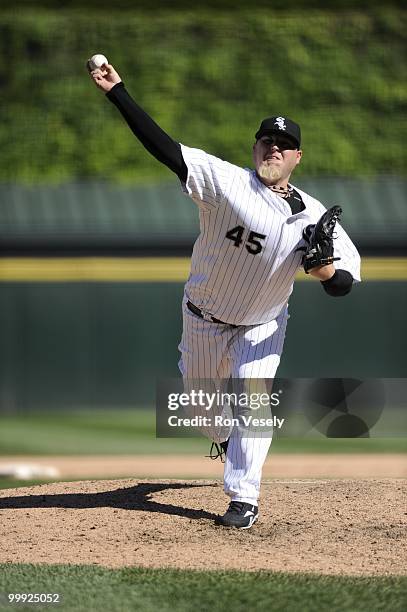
point(207, 77)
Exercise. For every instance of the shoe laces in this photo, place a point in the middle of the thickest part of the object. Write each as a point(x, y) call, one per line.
point(216, 452)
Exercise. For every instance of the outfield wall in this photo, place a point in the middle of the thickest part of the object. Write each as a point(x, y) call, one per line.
point(72, 344)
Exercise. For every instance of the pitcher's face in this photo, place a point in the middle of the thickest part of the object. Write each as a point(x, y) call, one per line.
point(275, 157)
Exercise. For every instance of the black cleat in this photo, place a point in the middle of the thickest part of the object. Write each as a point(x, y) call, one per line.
point(240, 515)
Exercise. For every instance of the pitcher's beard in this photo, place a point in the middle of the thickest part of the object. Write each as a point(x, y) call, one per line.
point(270, 172)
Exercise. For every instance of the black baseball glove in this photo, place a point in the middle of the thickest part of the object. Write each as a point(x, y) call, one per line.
point(320, 238)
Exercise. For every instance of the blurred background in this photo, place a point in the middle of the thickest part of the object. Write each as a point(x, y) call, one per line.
point(95, 234)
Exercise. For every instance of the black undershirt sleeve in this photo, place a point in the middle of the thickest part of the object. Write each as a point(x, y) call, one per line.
point(339, 284)
point(151, 136)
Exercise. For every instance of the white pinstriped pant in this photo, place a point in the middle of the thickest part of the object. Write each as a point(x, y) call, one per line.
point(217, 352)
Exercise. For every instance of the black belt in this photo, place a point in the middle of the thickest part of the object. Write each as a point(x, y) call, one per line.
point(198, 312)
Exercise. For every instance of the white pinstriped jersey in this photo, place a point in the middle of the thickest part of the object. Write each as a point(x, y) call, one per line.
point(245, 258)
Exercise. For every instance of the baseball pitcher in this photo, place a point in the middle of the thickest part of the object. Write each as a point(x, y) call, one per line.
point(256, 231)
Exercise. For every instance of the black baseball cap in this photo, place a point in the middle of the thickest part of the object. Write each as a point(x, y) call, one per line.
point(280, 125)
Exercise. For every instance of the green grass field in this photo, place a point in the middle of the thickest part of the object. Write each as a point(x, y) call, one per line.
point(93, 588)
point(111, 432)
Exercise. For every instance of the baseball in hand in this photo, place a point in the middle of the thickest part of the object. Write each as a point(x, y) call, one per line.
point(96, 61)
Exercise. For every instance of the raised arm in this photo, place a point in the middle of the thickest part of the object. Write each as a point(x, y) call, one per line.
point(151, 136)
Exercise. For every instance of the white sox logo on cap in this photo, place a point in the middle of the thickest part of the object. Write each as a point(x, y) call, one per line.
point(279, 122)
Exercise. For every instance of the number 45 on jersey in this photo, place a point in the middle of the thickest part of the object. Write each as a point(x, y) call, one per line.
point(253, 244)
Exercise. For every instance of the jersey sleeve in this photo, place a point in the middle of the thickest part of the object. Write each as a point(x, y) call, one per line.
point(208, 177)
point(348, 253)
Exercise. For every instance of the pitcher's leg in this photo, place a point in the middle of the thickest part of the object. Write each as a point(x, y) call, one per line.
point(244, 462)
point(205, 367)
point(255, 355)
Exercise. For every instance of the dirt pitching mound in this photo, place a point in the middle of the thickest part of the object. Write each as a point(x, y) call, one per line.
point(327, 526)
